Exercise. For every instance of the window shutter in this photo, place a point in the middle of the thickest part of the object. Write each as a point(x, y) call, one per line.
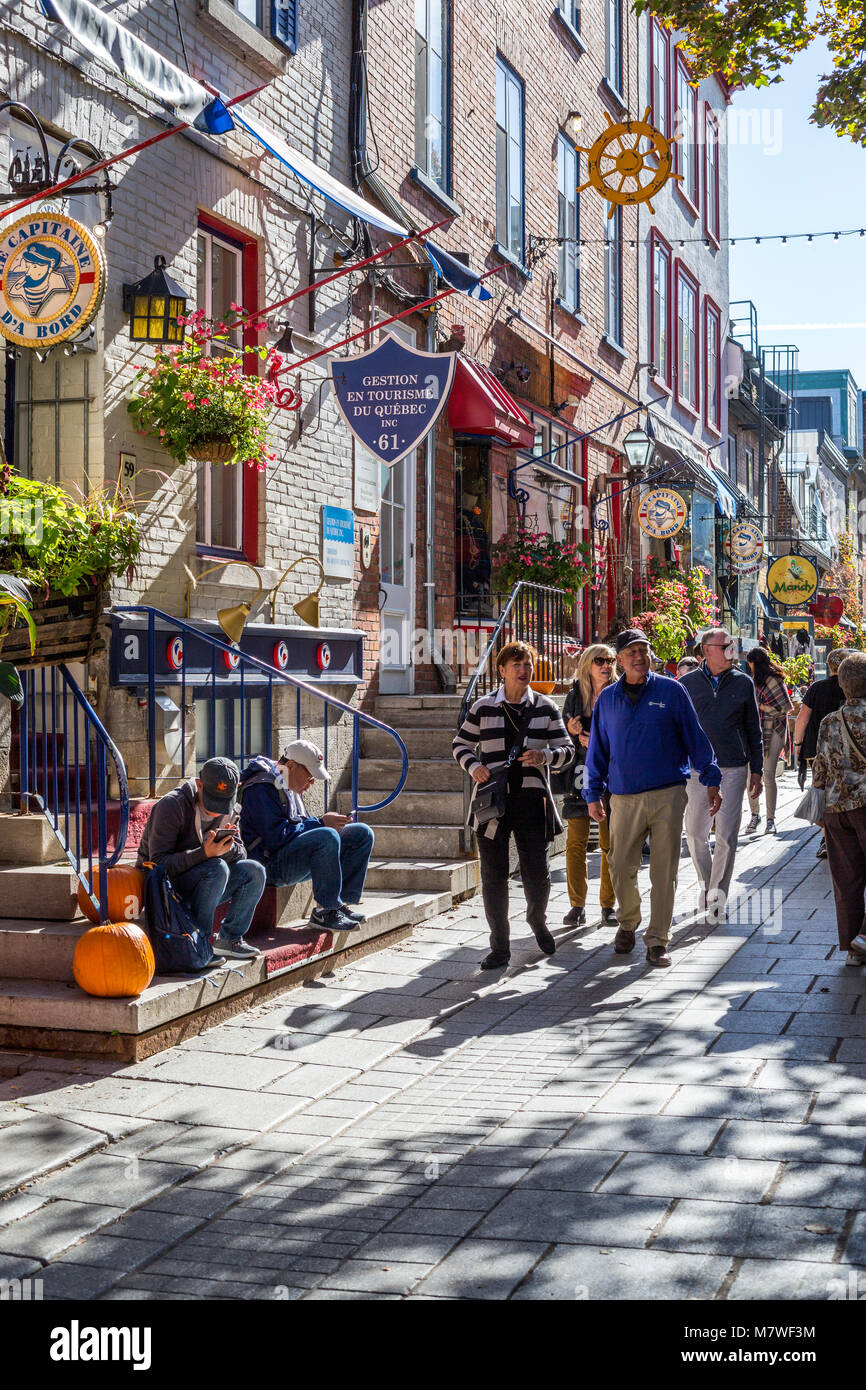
point(284, 23)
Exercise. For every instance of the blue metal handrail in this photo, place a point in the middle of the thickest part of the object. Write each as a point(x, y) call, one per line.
point(529, 615)
point(273, 673)
point(58, 801)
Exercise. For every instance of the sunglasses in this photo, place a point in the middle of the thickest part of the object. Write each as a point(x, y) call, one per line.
point(602, 661)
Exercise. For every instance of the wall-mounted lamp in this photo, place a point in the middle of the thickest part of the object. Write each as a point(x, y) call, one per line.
point(307, 608)
point(154, 305)
point(232, 620)
point(573, 124)
point(638, 447)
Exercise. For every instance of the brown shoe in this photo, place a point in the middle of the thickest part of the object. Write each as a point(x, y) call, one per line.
point(658, 955)
point(623, 942)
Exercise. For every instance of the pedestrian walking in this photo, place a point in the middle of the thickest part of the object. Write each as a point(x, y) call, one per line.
point(595, 671)
point(774, 705)
point(644, 737)
point(507, 742)
point(839, 769)
point(686, 664)
point(727, 710)
point(822, 698)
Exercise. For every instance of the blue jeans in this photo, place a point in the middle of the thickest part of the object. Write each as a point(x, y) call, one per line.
point(336, 861)
point(207, 885)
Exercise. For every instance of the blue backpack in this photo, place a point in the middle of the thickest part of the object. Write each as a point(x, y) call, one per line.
point(179, 946)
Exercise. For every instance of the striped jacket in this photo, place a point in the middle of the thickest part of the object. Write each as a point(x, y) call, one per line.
point(480, 741)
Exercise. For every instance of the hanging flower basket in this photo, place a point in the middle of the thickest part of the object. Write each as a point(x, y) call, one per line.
point(67, 629)
point(212, 451)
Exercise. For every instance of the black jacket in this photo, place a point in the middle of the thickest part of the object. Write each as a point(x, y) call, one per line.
point(574, 805)
point(728, 716)
point(823, 697)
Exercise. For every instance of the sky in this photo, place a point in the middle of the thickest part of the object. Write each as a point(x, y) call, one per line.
point(788, 175)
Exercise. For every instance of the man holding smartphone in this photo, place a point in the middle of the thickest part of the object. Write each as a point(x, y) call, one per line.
point(191, 833)
point(331, 850)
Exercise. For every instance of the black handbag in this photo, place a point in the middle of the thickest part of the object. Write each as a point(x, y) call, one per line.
point(489, 800)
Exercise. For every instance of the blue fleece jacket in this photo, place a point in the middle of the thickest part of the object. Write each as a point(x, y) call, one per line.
point(267, 822)
point(642, 747)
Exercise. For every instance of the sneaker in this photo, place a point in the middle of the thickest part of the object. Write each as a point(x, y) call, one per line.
point(350, 912)
point(333, 919)
point(575, 918)
point(235, 948)
point(545, 941)
point(495, 961)
point(608, 917)
point(853, 958)
point(821, 852)
point(754, 822)
point(623, 942)
point(658, 955)
point(771, 826)
point(858, 946)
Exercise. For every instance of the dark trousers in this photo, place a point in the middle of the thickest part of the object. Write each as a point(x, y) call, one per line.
point(525, 819)
point(845, 836)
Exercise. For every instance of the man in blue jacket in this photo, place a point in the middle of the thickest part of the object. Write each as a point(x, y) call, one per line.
point(329, 849)
point(644, 737)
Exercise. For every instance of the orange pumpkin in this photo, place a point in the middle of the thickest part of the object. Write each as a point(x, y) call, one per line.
point(125, 894)
point(543, 679)
point(113, 961)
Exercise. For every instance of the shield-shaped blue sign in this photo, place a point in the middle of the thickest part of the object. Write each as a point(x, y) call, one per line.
point(392, 396)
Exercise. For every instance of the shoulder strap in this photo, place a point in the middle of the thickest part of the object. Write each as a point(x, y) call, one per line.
point(851, 739)
point(520, 733)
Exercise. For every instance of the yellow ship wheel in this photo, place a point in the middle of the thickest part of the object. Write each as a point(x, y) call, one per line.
point(629, 162)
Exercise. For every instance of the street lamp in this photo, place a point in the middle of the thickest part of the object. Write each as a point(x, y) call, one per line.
point(154, 306)
point(638, 449)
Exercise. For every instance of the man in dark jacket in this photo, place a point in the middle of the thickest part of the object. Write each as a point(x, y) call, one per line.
point(644, 736)
point(191, 835)
point(724, 699)
point(330, 850)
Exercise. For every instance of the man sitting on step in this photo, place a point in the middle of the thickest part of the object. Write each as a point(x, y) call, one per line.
point(191, 833)
point(331, 849)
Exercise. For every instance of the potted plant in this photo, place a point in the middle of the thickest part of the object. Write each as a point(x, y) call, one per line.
point(198, 401)
point(537, 557)
point(65, 551)
point(677, 605)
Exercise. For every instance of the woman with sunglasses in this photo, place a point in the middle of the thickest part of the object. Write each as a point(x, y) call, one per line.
point(595, 671)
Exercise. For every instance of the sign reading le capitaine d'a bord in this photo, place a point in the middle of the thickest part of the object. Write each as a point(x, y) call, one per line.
point(662, 513)
point(52, 278)
point(392, 396)
point(792, 580)
point(745, 544)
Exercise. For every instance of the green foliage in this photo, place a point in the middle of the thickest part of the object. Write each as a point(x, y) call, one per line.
point(677, 605)
point(842, 579)
point(10, 684)
point(751, 41)
point(199, 392)
point(798, 670)
point(15, 603)
point(536, 557)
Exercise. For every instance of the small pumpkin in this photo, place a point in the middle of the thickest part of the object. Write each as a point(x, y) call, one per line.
point(543, 678)
point(113, 961)
point(125, 894)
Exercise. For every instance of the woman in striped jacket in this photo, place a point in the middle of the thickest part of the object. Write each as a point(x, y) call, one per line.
point(515, 715)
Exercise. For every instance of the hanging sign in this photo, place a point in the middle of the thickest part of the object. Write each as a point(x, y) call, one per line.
point(662, 513)
point(792, 580)
point(745, 545)
point(392, 396)
point(52, 278)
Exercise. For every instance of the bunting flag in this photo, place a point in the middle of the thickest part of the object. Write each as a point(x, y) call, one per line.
point(140, 65)
point(457, 275)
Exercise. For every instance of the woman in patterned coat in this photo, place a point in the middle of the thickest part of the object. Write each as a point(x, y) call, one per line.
point(840, 770)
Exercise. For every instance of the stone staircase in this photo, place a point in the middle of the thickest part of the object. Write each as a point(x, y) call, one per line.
point(419, 837)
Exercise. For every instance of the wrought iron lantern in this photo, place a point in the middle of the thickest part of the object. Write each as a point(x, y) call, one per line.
point(154, 306)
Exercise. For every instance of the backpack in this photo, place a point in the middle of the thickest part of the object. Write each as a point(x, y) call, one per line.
point(179, 945)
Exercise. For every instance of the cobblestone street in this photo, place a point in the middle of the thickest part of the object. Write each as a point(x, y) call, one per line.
point(583, 1127)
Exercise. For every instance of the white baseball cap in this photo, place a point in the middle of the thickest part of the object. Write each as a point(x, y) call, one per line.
point(309, 756)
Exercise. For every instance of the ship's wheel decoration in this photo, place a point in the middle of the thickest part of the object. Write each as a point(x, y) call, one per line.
point(629, 162)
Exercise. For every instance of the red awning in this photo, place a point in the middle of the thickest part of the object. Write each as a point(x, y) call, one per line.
point(480, 405)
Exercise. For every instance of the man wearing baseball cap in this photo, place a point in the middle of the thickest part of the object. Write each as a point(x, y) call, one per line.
point(191, 833)
point(643, 742)
point(293, 846)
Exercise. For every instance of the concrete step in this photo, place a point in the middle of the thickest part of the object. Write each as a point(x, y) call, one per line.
point(420, 743)
point(425, 775)
point(401, 719)
point(455, 878)
point(416, 808)
point(396, 841)
point(27, 839)
point(38, 950)
point(39, 892)
point(386, 705)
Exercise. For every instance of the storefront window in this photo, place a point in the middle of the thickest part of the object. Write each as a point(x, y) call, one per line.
point(473, 529)
point(698, 537)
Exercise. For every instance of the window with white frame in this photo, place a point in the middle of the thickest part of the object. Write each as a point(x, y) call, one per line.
point(509, 160)
point(613, 42)
point(687, 340)
point(613, 276)
point(219, 512)
point(431, 89)
point(571, 11)
point(711, 173)
point(568, 223)
point(661, 309)
point(685, 126)
point(660, 77)
point(713, 381)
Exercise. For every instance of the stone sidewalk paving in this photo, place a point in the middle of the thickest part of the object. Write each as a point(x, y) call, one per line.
point(581, 1127)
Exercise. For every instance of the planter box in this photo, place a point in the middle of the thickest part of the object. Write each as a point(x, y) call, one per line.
point(67, 629)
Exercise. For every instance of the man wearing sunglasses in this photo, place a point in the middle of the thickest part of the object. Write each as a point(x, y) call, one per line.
point(727, 710)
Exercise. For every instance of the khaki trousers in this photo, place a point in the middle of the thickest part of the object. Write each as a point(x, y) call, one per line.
point(659, 815)
point(575, 862)
point(715, 867)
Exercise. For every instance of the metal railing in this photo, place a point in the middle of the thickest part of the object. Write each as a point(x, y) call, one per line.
point(63, 752)
point(264, 679)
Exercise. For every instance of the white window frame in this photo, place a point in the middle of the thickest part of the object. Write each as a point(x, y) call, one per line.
point(507, 81)
point(568, 222)
point(204, 489)
point(428, 46)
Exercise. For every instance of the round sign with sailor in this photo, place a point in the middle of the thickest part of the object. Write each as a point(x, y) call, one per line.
point(662, 513)
point(745, 544)
point(52, 278)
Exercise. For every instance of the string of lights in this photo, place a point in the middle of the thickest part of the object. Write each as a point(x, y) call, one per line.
point(782, 237)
